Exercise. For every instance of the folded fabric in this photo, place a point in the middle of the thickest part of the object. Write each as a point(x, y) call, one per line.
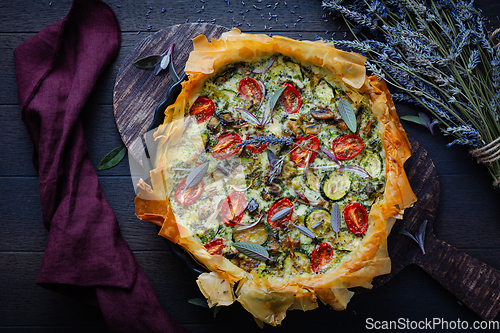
point(86, 257)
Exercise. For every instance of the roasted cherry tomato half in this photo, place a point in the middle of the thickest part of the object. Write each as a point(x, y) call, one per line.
point(215, 246)
point(299, 154)
point(188, 196)
point(281, 223)
point(233, 208)
point(226, 146)
point(290, 99)
point(202, 109)
point(250, 90)
point(347, 146)
point(255, 148)
point(356, 218)
point(321, 256)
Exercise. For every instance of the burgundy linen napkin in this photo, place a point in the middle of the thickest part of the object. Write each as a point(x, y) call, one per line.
point(86, 257)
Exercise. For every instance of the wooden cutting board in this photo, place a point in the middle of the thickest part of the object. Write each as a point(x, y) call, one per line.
point(138, 92)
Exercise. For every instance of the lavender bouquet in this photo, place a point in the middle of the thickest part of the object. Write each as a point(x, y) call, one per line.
point(438, 55)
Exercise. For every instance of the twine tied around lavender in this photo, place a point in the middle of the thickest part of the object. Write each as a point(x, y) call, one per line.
point(488, 153)
point(493, 34)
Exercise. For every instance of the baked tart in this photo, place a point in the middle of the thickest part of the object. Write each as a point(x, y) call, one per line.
point(279, 168)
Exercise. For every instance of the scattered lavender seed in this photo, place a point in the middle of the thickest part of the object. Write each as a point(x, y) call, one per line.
point(194, 5)
point(225, 291)
point(345, 34)
point(296, 6)
point(223, 280)
point(202, 1)
point(301, 17)
point(292, 12)
point(262, 16)
point(230, 11)
point(246, 11)
point(243, 18)
point(163, 10)
point(286, 25)
point(268, 6)
point(242, 3)
point(285, 3)
point(50, 3)
point(270, 18)
point(118, 6)
point(241, 13)
point(187, 20)
point(238, 24)
point(300, 35)
point(270, 35)
point(149, 11)
point(203, 7)
point(339, 28)
point(138, 32)
point(151, 8)
point(248, 24)
point(326, 33)
point(276, 19)
point(198, 11)
point(149, 26)
point(333, 34)
point(295, 24)
point(298, 20)
point(258, 8)
point(232, 18)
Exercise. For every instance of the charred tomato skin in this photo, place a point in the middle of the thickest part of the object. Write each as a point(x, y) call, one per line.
point(187, 197)
point(233, 208)
point(226, 146)
point(322, 255)
point(215, 246)
point(290, 99)
point(299, 155)
point(202, 109)
point(356, 218)
point(282, 223)
point(347, 147)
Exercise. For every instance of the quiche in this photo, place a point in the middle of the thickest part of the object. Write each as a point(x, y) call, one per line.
point(280, 169)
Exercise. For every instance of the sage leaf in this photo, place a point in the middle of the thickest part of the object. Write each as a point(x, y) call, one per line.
point(252, 250)
point(149, 61)
point(196, 175)
point(204, 304)
point(268, 113)
point(198, 301)
point(423, 120)
point(306, 231)
point(335, 219)
point(282, 213)
point(112, 158)
point(419, 237)
point(347, 113)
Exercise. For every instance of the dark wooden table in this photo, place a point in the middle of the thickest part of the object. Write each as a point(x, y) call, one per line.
point(468, 215)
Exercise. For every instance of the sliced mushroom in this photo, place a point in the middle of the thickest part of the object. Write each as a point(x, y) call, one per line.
point(325, 114)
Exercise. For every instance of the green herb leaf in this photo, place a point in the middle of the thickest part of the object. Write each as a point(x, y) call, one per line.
point(149, 61)
point(268, 113)
point(199, 301)
point(419, 237)
point(281, 214)
point(347, 113)
point(306, 231)
point(414, 119)
point(112, 158)
point(196, 175)
point(252, 250)
point(335, 219)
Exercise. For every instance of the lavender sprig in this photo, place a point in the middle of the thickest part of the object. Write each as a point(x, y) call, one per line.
point(270, 139)
point(438, 55)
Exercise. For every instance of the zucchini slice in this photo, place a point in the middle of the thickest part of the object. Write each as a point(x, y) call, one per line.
point(312, 181)
point(372, 163)
point(335, 186)
point(300, 263)
point(325, 93)
point(295, 68)
point(257, 235)
point(318, 220)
